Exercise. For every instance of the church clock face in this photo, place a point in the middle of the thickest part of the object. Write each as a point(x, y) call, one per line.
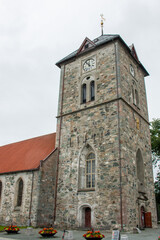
point(89, 64)
point(132, 70)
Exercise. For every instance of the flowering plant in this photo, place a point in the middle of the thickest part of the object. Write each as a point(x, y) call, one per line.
point(158, 238)
point(93, 234)
point(12, 228)
point(48, 231)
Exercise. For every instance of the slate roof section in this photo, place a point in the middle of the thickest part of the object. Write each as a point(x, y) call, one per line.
point(103, 39)
point(26, 155)
point(98, 41)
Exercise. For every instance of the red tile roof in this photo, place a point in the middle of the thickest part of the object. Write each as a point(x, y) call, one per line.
point(26, 155)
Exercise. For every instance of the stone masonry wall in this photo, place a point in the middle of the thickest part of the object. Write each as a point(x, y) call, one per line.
point(135, 134)
point(127, 80)
point(133, 139)
point(96, 127)
point(9, 212)
point(47, 191)
point(104, 75)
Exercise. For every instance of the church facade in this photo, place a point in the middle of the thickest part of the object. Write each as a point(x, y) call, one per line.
point(27, 182)
point(96, 170)
point(105, 167)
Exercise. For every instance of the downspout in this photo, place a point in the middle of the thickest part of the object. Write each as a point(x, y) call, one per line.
point(118, 106)
point(30, 208)
point(59, 143)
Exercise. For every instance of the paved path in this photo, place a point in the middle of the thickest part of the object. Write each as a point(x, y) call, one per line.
point(147, 234)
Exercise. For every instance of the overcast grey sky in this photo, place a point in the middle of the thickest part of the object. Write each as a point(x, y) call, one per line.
point(35, 34)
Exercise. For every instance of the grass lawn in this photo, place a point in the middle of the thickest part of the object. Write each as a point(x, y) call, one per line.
point(1, 228)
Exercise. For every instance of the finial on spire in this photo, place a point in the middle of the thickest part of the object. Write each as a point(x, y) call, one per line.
point(102, 19)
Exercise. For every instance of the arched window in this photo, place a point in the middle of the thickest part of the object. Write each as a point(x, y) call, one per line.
point(88, 89)
point(140, 167)
point(84, 93)
point(135, 95)
point(140, 171)
point(87, 169)
point(20, 192)
point(90, 171)
point(0, 191)
point(92, 91)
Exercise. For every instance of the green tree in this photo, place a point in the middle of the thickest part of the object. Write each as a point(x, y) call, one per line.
point(155, 139)
point(157, 194)
point(157, 187)
point(155, 143)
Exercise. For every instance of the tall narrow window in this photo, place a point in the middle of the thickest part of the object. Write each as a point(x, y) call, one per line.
point(140, 166)
point(20, 193)
point(133, 95)
point(92, 89)
point(140, 172)
point(136, 98)
point(88, 87)
point(90, 171)
point(84, 93)
point(0, 191)
point(86, 174)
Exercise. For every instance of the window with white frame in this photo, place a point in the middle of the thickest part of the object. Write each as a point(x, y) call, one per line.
point(90, 171)
point(87, 169)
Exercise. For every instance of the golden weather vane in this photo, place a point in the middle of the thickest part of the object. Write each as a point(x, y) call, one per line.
point(102, 20)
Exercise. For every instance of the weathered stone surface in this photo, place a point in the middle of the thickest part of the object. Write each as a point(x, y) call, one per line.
point(114, 128)
point(10, 213)
point(37, 199)
point(45, 210)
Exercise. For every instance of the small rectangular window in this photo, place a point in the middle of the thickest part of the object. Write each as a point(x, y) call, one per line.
point(86, 46)
point(88, 182)
point(93, 180)
point(88, 167)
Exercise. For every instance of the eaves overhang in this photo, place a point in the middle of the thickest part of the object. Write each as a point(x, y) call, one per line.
point(102, 40)
point(20, 171)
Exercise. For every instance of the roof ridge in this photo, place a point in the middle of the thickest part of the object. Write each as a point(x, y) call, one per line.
point(28, 139)
point(99, 39)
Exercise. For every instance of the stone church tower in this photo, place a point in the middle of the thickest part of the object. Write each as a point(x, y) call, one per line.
point(105, 171)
